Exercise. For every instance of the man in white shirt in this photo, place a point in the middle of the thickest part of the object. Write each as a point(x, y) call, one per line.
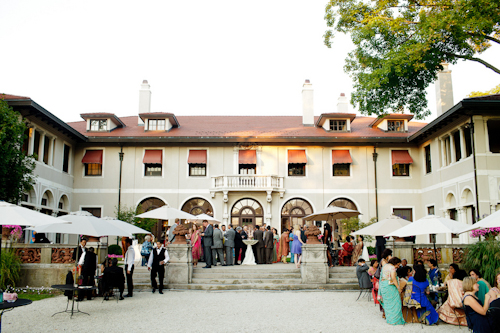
point(129, 266)
point(171, 236)
point(156, 264)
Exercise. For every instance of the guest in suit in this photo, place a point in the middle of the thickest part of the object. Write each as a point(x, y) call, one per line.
point(113, 277)
point(259, 247)
point(171, 236)
point(207, 243)
point(364, 281)
point(77, 253)
point(379, 247)
point(129, 266)
point(217, 247)
point(268, 245)
point(238, 245)
point(88, 272)
point(156, 264)
point(244, 236)
point(229, 244)
point(303, 236)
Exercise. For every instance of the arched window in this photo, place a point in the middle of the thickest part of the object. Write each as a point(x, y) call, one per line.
point(149, 204)
point(293, 211)
point(344, 203)
point(247, 211)
point(197, 206)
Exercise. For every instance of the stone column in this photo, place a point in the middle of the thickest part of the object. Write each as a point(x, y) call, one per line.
point(314, 266)
point(41, 147)
point(443, 152)
point(180, 267)
point(463, 151)
point(31, 145)
point(462, 217)
point(452, 149)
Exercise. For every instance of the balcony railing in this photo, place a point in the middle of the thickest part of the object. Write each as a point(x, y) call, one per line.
point(247, 182)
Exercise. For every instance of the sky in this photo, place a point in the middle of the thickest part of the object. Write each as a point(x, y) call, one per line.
point(220, 57)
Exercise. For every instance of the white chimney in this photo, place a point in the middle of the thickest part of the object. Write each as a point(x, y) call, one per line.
point(144, 100)
point(444, 91)
point(307, 104)
point(342, 105)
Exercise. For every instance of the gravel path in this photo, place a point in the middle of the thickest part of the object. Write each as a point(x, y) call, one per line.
point(211, 311)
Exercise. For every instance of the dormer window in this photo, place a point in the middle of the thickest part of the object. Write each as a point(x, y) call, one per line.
point(98, 125)
point(395, 126)
point(338, 125)
point(156, 124)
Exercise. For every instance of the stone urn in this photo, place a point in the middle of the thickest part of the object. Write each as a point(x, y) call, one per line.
point(180, 234)
point(312, 233)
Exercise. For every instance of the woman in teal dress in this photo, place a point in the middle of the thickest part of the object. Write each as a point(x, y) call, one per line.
point(484, 286)
point(389, 291)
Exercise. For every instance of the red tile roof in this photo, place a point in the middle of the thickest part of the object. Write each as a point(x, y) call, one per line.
point(391, 116)
point(248, 127)
point(10, 97)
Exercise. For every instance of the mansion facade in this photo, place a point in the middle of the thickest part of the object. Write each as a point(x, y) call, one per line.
point(270, 170)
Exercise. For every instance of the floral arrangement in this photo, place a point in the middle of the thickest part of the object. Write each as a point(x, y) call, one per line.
point(372, 257)
point(114, 256)
point(16, 231)
point(484, 232)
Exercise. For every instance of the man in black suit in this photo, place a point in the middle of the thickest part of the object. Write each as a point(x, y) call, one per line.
point(238, 245)
point(156, 264)
point(379, 246)
point(268, 245)
point(259, 235)
point(88, 272)
point(207, 243)
point(77, 253)
point(113, 277)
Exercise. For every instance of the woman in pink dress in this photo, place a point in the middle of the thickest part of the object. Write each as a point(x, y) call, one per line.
point(196, 243)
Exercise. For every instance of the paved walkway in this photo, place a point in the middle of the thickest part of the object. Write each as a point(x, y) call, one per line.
point(211, 311)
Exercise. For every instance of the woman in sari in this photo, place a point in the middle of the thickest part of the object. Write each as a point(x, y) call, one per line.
point(409, 313)
point(360, 251)
point(451, 311)
point(346, 253)
point(290, 238)
point(284, 246)
point(196, 244)
point(419, 294)
point(389, 293)
point(276, 242)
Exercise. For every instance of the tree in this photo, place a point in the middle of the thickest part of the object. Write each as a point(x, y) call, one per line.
point(400, 46)
point(16, 168)
point(493, 91)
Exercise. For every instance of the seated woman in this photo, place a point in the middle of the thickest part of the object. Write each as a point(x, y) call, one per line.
point(451, 311)
point(389, 292)
point(345, 255)
point(420, 285)
point(484, 286)
point(409, 313)
point(475, 311)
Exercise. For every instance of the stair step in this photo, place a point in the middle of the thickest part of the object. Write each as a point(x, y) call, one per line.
point(343, 281)
point(276, 280)
point(194, 286)
point(228, 275)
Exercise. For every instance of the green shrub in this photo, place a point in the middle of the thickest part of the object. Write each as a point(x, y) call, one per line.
point(484, 256)
point(371, 250)
point(115, 249)
point(10, 269)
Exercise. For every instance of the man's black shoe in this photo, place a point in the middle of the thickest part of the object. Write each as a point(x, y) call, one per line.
point(161, 292)
point(154, 290)
point(207, 267)
point(128, 295)
point(121, 298)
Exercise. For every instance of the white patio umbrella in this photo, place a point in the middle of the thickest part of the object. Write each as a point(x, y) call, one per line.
point(332, 213)
point(17, 215)
point(491, 221)
point(167, 213)
point(130, 228)
point(384, 227)
point(201, 217)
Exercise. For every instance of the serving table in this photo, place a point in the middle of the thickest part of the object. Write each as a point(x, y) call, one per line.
point(249, 257)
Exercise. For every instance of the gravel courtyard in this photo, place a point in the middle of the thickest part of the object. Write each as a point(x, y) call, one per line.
point(212, 311)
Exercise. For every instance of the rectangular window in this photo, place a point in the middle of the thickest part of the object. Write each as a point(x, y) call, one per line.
point(404, 213)
point(26, 140)
point(93, 169)
point(428, 166)
point(494, 135)
point(402, 170)
point(458, 150)
point(197, 170)
point(338, 125)
point(36, 146)
point(44, 202)
point(152, 170)
point(296, 169)
point(94, 211)
point(430, 210)
point(66, 151)
point(395, 126)
point(247, 169)
point(341, 169)
point(156, 124)
point(468, 141)
point(46, 146)
point(98, 125)
point(453, 216)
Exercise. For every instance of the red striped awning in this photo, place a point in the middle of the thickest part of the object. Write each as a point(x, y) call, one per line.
point(197, 157)
point(247, 157)
point(341, 157)
point(152, 157)
point(297, 157)
point(92, 157)
point(401, 157)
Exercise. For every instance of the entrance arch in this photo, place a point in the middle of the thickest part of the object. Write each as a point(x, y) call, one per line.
point(247, 212)
point(293, 212)
point(149, 204)
point(197, 206)
point(344, 203)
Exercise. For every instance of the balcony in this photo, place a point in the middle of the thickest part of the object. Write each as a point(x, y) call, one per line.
point(247, 183)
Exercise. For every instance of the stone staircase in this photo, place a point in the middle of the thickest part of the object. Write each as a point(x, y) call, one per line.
point(261, 277)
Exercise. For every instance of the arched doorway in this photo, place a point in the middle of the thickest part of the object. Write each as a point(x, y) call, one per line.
point(247, 212)
point(197, 206)
point(149, 204)
point(293, 211)
point(344, 203)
